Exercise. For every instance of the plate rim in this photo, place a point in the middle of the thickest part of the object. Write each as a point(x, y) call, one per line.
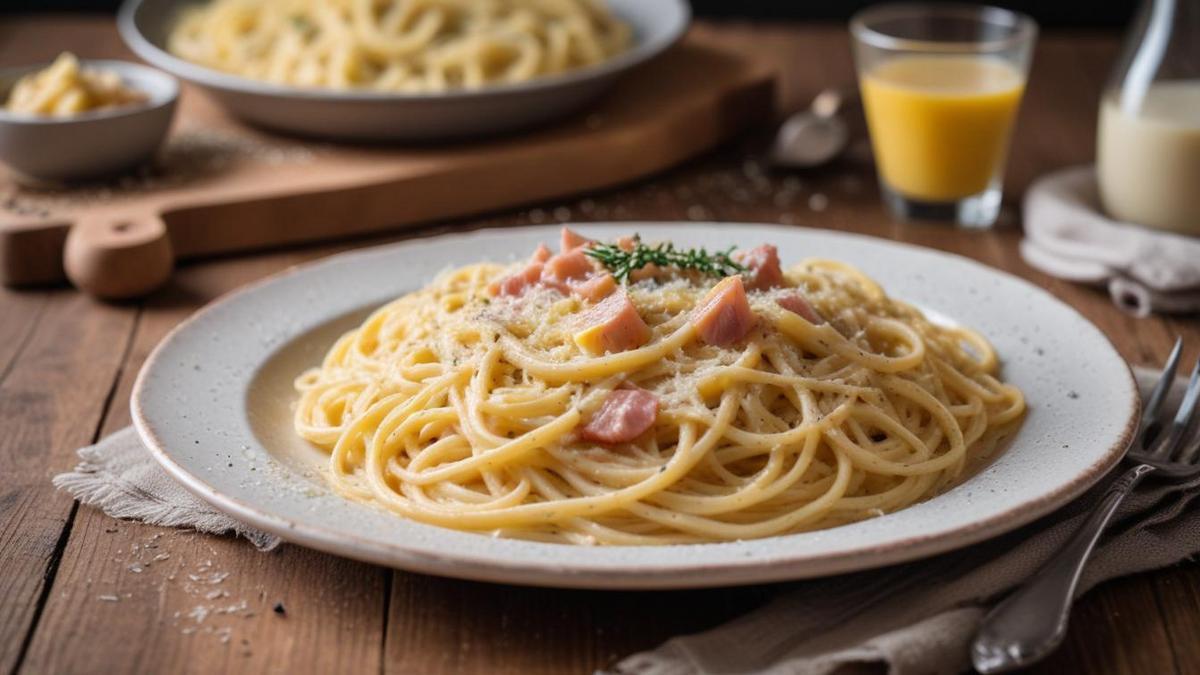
point(464, 565)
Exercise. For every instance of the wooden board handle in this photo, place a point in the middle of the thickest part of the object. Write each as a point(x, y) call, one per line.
point(118, 256)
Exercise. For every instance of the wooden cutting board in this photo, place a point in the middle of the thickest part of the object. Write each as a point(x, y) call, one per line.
point(221, 187)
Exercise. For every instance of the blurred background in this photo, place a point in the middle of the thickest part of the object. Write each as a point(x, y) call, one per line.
point(1061, 13)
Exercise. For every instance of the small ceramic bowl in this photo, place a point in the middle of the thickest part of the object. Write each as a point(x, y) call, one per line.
point(43, 149)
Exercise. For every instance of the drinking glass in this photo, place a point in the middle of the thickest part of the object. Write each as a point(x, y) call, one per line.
point(941, 84)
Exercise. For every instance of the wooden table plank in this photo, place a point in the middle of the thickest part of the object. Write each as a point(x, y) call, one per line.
point(348, 616)
point(51, 401)
point(1178, 594)
point(27, 308)
point(1117, 629)
point(187, 593)
point(446, 627)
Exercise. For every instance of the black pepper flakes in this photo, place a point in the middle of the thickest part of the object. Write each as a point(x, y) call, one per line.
point(279, 609)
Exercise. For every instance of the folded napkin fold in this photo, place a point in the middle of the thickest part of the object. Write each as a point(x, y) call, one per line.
point(1068, 235)
point(913, 618)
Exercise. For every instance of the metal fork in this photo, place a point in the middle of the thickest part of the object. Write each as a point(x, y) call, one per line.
point(1032, 621)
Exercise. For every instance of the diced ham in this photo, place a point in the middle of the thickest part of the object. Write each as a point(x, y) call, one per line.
point(627, 244)
point(570, 266)
point(572, 240)
point(517, 283)
point(595, 288)
point(764, 270)
point(570, 272)
point(624, 415)
point(724, 316)
point(542, 254)
point(798, 304)
point(612, 325)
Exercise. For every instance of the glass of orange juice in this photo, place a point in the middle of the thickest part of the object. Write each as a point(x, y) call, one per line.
point(941, 84)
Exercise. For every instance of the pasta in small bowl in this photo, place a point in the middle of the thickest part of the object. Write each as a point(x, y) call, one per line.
point(409, 70)
point(73, 120)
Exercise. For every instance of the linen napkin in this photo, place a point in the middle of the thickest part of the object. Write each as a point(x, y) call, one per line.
point(916, 618)
point(119, 476)
point(1068, 235)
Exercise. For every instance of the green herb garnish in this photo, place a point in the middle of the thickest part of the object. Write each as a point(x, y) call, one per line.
point(622, 263)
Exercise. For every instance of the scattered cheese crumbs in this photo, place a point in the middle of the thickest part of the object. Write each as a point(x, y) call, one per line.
point(240, 606)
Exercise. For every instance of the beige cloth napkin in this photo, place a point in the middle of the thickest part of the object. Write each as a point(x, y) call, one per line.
point(120, 477)
point(1067, 235)
point(916, 618)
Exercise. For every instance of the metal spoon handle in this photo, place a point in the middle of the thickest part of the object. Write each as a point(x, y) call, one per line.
point(1032, 621)
point(831, 102)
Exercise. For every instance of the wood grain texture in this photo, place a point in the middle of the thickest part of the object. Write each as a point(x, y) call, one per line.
point(188, 593)
point(52, 399)
point(64, 354)
point(444, 627)
point(219, 187)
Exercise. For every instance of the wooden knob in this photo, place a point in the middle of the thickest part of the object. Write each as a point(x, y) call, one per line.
point(118, 257)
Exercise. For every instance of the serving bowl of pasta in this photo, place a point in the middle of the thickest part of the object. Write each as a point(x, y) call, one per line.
point(614, 412)
point(401, 70)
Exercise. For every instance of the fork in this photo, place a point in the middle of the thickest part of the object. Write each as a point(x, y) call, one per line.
point(1032, 621)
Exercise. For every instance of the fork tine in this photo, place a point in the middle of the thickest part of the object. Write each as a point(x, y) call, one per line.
point(1186, 416)
point(1151, 411)
point(1189, 455)
point(1183, 418)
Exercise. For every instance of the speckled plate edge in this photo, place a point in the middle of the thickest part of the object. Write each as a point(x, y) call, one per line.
point(649, 567)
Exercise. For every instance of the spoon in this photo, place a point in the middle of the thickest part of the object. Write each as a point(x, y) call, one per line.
point(813, 137)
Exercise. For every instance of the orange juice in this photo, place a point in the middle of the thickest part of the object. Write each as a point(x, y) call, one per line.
point(940, 124)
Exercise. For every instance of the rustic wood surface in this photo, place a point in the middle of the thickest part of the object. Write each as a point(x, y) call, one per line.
point(220, 187)
point(80, 592)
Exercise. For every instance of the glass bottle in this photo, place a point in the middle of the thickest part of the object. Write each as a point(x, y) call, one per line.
point(1148, 144)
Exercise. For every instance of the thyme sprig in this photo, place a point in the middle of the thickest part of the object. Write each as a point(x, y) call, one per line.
point(623, 263)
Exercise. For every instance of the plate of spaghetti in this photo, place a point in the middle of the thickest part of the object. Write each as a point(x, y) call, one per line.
point(420, 70)
point(637, 405)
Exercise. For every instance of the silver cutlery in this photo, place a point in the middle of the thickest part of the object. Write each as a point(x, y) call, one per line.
point(1032, 621)
point(816, 136)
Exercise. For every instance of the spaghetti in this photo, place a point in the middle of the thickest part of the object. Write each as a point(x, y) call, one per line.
point(468, 406)
point(413, 46)
point(65, 88)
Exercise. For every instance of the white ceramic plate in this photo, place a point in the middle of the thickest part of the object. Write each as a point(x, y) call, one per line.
point(213, 403)
point(372, 115)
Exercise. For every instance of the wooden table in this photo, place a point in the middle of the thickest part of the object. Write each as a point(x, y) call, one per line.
point(81, 592)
